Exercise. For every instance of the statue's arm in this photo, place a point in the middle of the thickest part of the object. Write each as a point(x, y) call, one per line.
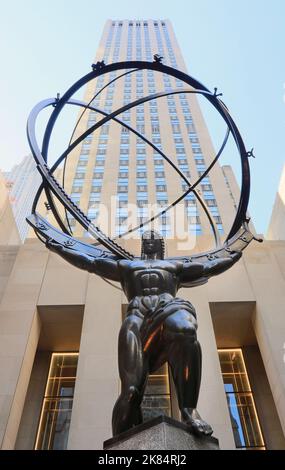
point(220, 265)
point(193, 271)
point(105, 267)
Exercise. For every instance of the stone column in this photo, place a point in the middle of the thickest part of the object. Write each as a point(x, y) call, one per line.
point(33, 404)
point(19, 334)
point(97, 384)
point(212, 403)
point(268, 284)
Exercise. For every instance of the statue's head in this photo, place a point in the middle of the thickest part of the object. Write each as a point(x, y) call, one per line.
point(152, 245)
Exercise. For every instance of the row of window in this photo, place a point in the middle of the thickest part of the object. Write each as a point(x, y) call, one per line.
point(161, 188)
point(57, 405)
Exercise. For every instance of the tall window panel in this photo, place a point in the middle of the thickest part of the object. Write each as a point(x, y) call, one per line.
point(157, 400)
point(243, 414)
point(56, 411)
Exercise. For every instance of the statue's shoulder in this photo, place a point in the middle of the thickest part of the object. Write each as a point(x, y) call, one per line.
point(131, 264)
point(173, 264)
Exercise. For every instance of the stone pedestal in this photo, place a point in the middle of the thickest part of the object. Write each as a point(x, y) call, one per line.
point(161, 433)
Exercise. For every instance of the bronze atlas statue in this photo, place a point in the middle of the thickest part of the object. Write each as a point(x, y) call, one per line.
point(159, 327)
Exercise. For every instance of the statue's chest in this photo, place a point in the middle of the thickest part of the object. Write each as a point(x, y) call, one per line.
point(150, 277)
point(150, 274)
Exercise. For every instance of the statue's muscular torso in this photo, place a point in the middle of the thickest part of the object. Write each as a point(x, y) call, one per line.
point(149, 277)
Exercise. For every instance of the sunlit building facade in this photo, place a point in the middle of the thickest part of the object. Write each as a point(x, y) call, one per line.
point(59, 325)
point(276, 229)
point(114, 161)
point(22, 182)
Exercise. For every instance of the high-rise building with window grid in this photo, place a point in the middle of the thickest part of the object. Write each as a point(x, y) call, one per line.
point(59, 325)
point(23, 181)
point(115, 162)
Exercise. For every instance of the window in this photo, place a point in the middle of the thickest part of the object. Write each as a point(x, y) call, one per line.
point(79, 175)
point(96, 189)
point(176, 128)
point(83, 158)
point(156, 401)
point(190, 127)
point(93, 204)
point(84, 151)
point(123, 174)
point(162, 202)
point(122, 203)
point(211, 202)
point(142, 202)
point(191, 210)
point(57, 404)
point(195, 229)
point(214, 210)
point(76, 189)
point(141, 188)
point(98, 173)
point(182, 161)
point(124, 165)
point(186, 173)
point(244, 419)
point(122, 189)
point(193, 219)
point(104, 129)
point(208, 195)
point(92, 213)
point(94, 198)
point(207, 187)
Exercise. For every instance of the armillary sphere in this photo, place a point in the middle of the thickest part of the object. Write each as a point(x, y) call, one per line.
point(239, 235)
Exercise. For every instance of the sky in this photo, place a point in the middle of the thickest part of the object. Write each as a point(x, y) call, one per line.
point(237, 46)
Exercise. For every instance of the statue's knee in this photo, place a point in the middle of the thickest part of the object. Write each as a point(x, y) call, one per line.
point(189, 331)
point(130, 394)
point(133, 393)
point(181, 331)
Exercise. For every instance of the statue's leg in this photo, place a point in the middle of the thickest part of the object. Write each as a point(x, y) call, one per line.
point(133, 374)
point(185, 359)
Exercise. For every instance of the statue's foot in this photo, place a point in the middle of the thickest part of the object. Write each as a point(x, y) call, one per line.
point(191, 417)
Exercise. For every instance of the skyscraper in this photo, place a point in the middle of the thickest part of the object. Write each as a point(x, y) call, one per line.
point(23, 181)
point(59, 325)
point(116, 162)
